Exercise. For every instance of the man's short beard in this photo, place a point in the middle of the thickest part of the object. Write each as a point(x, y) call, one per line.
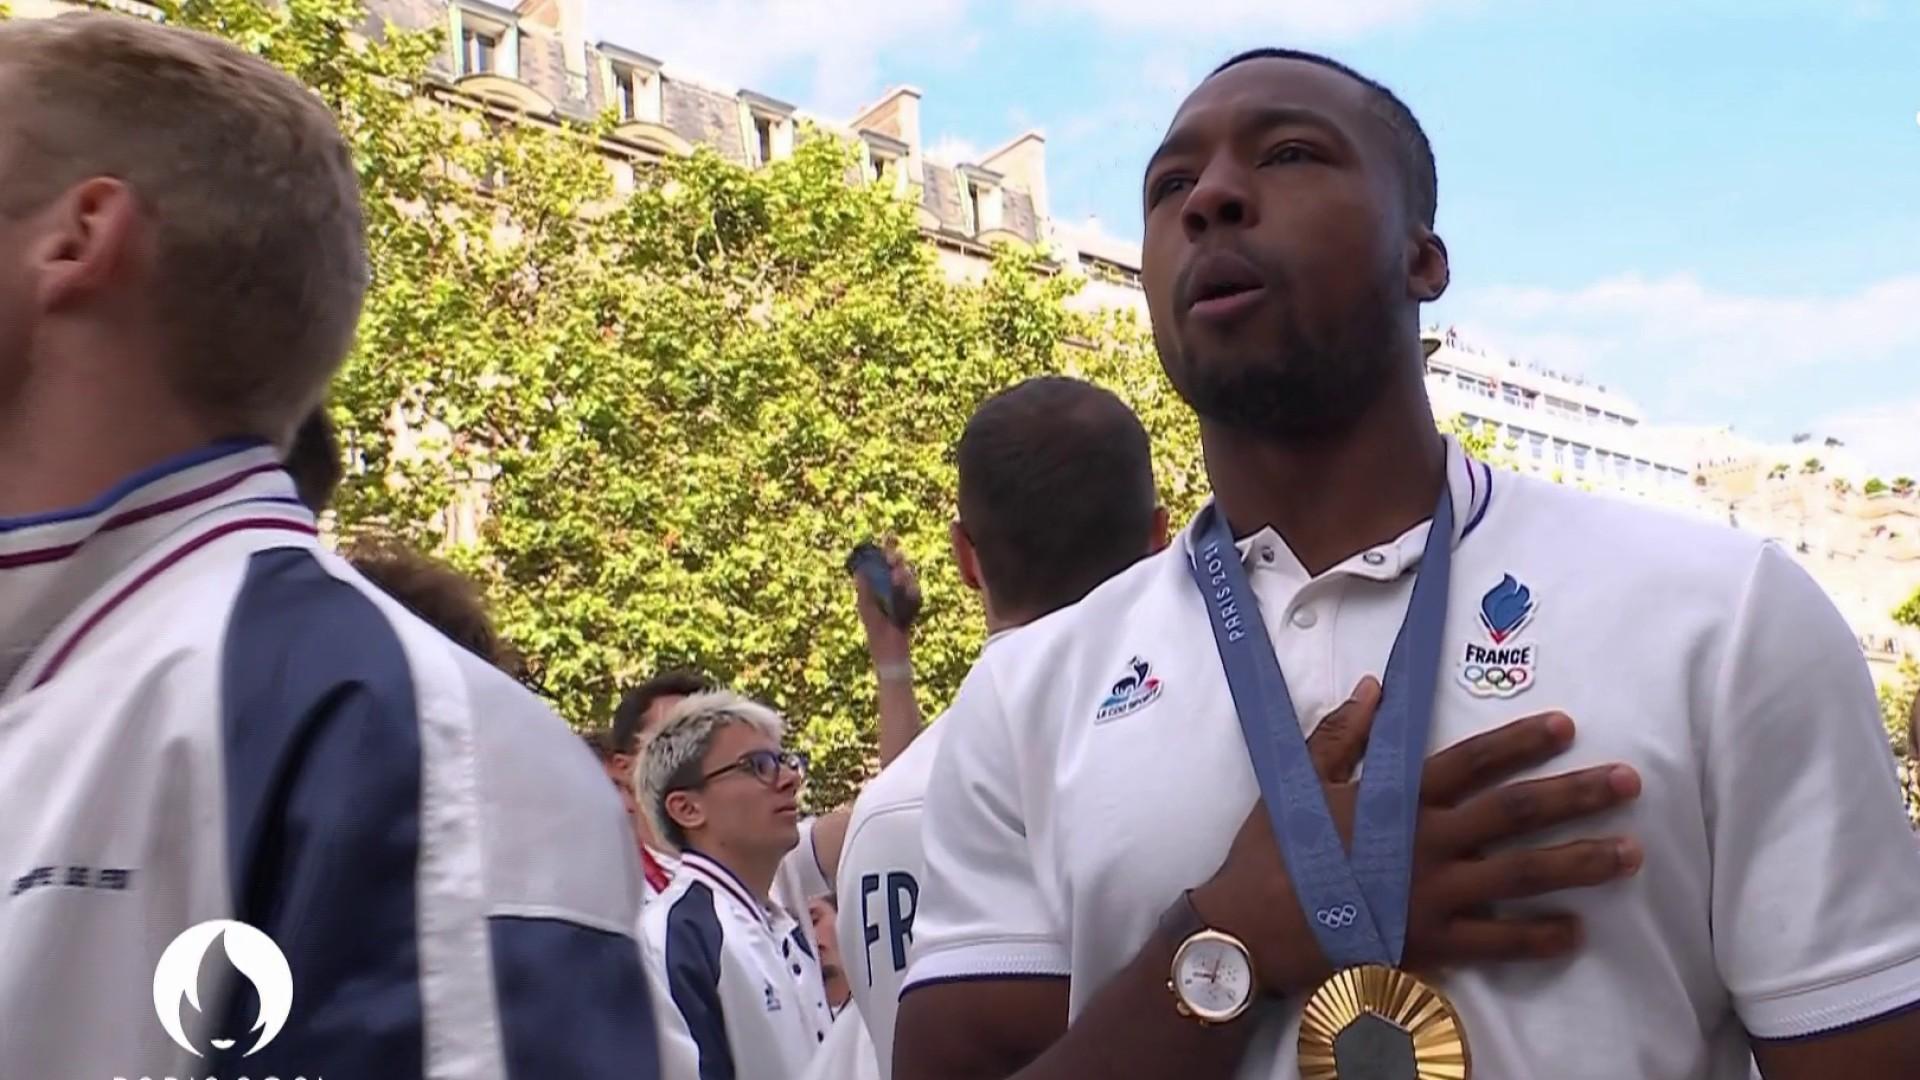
point(1303, 392)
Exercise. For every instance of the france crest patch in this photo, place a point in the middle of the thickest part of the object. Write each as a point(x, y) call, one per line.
point(1501, 667)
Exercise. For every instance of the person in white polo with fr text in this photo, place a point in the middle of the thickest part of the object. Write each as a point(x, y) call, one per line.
point(1056, 495)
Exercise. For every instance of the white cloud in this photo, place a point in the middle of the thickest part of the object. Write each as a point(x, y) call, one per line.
point(748, 43)
point(954, 150)
point(1312, 18)
point(1722, 335)
point(1689, 352)
point(1886, 436)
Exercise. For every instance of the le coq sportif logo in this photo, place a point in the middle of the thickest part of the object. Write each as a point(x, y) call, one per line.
point(176, 982)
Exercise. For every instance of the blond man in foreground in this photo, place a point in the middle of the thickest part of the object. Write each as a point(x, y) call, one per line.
point(249, 807)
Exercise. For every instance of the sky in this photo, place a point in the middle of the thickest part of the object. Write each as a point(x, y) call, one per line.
point(1712, 206)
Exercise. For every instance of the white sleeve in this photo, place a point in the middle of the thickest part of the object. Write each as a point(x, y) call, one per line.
point(1816, 876)
point(983, 909)
point(800, 878)
point(679, 1056)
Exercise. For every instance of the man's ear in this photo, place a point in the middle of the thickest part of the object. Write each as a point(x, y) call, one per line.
point(88, 242)
point(685, 810)
point(964, 557)
point(1428, 269)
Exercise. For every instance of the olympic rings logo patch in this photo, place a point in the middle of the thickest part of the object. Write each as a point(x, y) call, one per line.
point(1494, 680)
point(1337, 918)
point(1498, 672)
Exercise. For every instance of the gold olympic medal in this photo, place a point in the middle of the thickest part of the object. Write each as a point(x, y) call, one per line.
point(1380, 1023)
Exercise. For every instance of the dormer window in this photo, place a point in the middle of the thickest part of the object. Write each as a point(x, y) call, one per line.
point(486, 38)
point(637, 93)
point(984, 205)
point(763, 138)
point(885, 160)
point(631, 84)
point(479, 52)
point(766, 128)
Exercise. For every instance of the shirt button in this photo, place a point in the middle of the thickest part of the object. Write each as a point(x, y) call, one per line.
point(796, 969)
point(1304, 618)
point(1374, 558)
point(1266, 554)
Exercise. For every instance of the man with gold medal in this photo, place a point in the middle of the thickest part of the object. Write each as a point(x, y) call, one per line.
point(1137, 867)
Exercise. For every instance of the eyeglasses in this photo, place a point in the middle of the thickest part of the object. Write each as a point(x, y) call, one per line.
point(763, 764)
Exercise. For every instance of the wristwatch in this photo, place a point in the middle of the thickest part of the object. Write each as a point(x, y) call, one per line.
point(1212, 976)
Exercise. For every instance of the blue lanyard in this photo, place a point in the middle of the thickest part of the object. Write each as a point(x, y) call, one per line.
point(1356, 904)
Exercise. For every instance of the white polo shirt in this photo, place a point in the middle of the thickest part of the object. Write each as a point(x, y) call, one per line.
point(848, 1052)
point(879, 887)
point(743, 984)
point(1090, 775)
point(880, 871)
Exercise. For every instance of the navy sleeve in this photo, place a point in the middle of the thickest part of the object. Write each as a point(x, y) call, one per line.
point(323, 776)
point(323, 765)
point(561, 986)
point(693, 979)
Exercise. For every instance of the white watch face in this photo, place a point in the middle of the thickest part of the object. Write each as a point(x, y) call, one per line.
point(1213, 977)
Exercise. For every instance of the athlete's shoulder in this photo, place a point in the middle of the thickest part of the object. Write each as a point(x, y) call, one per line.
point(1630, 542)
point(557, 842)
point(298, 631)
point(1139, 595)
point(904, 781)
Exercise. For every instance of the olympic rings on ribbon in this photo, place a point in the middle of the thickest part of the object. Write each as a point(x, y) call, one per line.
point(1337, 918)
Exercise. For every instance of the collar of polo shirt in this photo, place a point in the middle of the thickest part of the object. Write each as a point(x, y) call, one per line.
point(1470, 482)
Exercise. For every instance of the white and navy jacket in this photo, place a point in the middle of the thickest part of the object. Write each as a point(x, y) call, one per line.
point(743, 982)
point(205, 716)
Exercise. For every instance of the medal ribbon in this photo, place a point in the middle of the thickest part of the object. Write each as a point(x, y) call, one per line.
point(1357, 903)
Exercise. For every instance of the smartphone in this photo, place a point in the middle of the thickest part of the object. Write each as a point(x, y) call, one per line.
point(870, 564)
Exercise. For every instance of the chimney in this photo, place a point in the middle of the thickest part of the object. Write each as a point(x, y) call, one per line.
point(567, 19)
point(1024, 163)
point(897, 114)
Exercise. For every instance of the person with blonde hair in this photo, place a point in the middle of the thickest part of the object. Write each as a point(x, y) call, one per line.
point(216, 731)
point(743, 979)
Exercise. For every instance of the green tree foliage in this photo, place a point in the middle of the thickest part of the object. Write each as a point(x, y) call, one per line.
point(1897, 705)
point(1484, 442)
point(1873, 486)
point(1899, 700)
point(673, 412)
point(1903, 485)
point(1908, 614)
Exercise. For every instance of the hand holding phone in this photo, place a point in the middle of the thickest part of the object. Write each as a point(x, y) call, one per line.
point(888, 581)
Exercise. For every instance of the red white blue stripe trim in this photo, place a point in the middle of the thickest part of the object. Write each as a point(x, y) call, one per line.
point(146, 577)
